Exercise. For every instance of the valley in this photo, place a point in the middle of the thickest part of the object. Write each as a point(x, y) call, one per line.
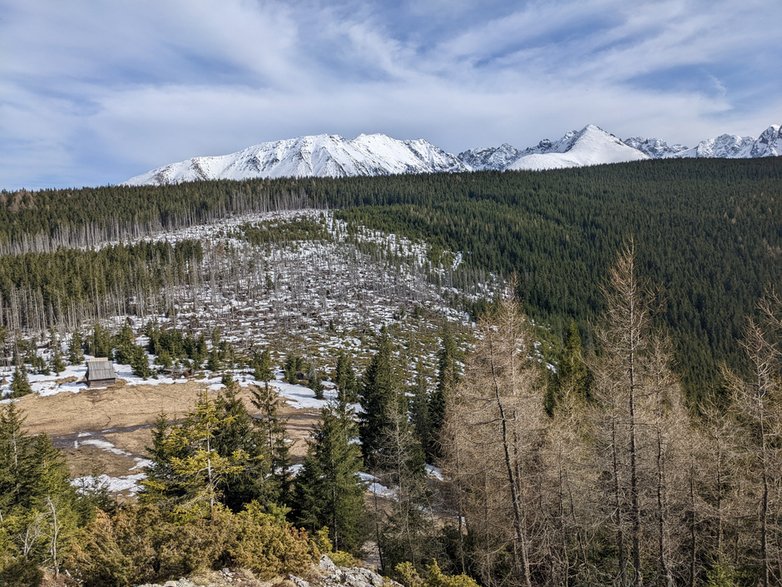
point(398, 321)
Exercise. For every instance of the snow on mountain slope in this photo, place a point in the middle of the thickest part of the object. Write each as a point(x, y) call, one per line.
point(378, 154)
point(490, 158)
point(655, 148)
point(311, 156)
point(729, 146)
point(769, 143)
point(589, 146)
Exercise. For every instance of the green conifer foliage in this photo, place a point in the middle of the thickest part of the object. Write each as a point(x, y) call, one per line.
point(345, 378)
point(378, 398)
point(99, 343)
point(271, 429)
point(75, 353)
point(328, 490)
point(447, 379)
point(216, 456)
point(20, 384)
point(315, 382)
point(39, 507)
point(262, 366)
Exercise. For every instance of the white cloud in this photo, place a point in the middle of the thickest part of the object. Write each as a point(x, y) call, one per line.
point(148, 82)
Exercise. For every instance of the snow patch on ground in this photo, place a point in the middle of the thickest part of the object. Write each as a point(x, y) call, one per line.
point(128, 483)
point(434, 472)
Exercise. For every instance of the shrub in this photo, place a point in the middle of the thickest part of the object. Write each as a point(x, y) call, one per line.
point(268, 545)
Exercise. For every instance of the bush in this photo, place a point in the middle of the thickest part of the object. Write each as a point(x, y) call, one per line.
point(138, 544)
point(434, 577)
point(268, 545)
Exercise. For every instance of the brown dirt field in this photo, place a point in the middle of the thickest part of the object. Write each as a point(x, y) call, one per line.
point(123, 415)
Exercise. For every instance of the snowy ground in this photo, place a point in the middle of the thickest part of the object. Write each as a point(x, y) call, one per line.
point(126, 483)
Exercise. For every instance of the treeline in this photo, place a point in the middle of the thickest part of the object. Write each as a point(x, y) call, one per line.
point(48, 219)
point(707, 234)
point(707, 230)
point(69, 286)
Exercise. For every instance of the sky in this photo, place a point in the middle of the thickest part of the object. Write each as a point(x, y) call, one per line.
point(93, 92)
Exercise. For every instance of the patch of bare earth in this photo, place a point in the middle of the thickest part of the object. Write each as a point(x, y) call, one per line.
point(123, 416)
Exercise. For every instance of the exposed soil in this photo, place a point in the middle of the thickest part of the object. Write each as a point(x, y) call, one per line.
point(123, 415)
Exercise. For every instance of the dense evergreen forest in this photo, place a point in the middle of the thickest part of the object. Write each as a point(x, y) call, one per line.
point(708, 232)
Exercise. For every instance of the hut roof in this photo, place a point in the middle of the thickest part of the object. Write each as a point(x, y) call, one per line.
point(98, 369)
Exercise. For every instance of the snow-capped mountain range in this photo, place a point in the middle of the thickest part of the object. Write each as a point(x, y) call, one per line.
point(378, 154)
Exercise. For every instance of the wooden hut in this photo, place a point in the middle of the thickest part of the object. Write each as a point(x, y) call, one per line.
point(100, 373)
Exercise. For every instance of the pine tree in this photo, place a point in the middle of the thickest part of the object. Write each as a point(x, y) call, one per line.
point(328, 490)
point(377, 401)
point(419, 407)
point(314, 382)
point(271, 428)
point(447, 379)
point(345, 378)
point(75, 353)
point(262, 366)
point(20, 384)
point(138, 361)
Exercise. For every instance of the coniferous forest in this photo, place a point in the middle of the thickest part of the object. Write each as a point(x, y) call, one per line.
point(613, 418)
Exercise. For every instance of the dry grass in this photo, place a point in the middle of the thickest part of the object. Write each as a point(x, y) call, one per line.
point(123, 416)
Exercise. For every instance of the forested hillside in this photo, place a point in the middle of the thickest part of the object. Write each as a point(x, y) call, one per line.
point(707, 232)
point(555, 450)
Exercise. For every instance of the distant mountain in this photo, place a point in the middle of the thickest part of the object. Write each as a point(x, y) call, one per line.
point(768, 144)
point(654, 148)
point(378, 154)
point(490, 158)
point(311, 156)
point(589, 146)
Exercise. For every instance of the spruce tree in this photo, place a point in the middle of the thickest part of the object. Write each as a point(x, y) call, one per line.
point(271, 427)
point(161, 484)
point(39, 506)
point(573, 375)
point(314, 382)
point(328, 491)
point(58, 365)
point(75, 353)
point(138, 361)
point(20, 384)
point(378, 396)
point(447, 379)
point(419, 407)
point(345, 378)
point(99, 343)
point(262, 366)
point(124, 343)
point(407, 533)
point(238, 439)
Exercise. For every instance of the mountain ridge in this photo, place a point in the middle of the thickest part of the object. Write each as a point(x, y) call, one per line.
point(330, 155)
